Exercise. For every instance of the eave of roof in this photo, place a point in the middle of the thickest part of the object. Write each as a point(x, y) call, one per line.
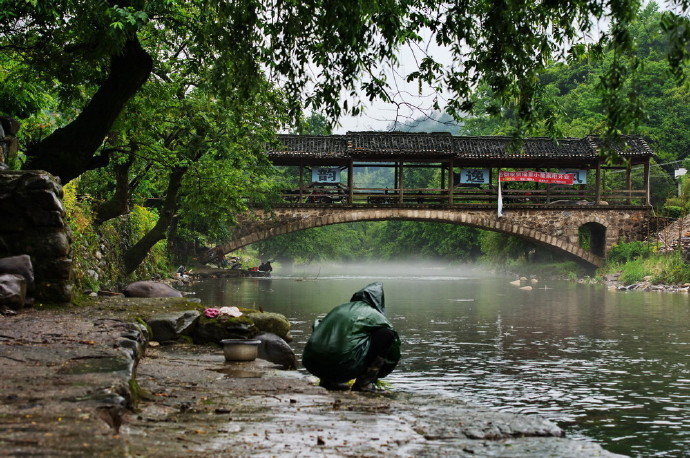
point(442, 145)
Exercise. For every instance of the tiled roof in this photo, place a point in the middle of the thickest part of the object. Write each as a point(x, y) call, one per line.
point(360, 145)
point(400, 143)
point(318, 146)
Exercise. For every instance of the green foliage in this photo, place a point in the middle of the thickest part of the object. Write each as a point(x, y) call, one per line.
point(314, 124)
point(343, 48)
point(138, 222)
point(664, 268)
point(672, 211)
point(636, 260)
point(577, 98)
point(100, 249)
point(630, 251)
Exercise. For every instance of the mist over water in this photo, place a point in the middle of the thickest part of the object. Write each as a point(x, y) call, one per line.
point(606, 365)
point(380, 271)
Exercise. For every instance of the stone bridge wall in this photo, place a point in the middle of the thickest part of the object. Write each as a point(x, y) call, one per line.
point(554, 228)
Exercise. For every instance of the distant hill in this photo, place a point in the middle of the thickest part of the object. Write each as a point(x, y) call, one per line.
point(435, 122)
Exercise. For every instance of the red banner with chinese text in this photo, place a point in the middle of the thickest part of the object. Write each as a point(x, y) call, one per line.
point(538, 177)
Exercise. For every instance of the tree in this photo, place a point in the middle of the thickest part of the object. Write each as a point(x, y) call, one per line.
point(198, 155)
point(98, 54)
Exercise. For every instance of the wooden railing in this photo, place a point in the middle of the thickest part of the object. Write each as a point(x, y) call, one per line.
point(461, 196)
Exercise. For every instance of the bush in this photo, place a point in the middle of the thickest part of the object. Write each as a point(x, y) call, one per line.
point(629, 251)
point(97, 252)
point(672, 211)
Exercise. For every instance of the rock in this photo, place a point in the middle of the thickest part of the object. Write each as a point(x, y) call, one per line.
point(170, 326)
point(150, 289)
point(92, 274)
point(276, 350)
point(224, 327)
point(12, 291)
point(612, 277)
point(526, 288)
point(515, 283)
point(275, 323)
point(523, 278)
point(647, 278)
point(534, 281)
point(19, 265)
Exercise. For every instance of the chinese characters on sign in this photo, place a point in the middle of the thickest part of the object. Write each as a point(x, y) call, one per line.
point(325, 175)
point(537, 177)
point(472, 176)
point(579, 176)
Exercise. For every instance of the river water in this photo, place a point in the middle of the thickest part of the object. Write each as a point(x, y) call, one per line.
point(605, 365)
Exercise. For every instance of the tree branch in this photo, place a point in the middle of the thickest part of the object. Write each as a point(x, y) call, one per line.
point(69, 151)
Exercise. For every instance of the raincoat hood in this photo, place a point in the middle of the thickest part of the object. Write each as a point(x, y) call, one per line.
point(372, 294)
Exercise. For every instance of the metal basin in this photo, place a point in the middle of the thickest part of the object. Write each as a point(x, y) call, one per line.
point(240, 349)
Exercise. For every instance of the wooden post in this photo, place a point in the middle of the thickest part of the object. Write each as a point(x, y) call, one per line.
point(646, 183)
point(400, 186)
point(597, 199)
point(628, 182)
point(301, 182)
point(396, 177)
point(451, 182)
point(350, 181)
point(443, 176)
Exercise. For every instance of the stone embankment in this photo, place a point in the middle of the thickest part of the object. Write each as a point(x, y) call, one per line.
point(68, 388)
point(612, 282)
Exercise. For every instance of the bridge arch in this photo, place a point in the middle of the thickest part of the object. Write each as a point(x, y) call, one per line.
point(595, 234)
point(266, 226)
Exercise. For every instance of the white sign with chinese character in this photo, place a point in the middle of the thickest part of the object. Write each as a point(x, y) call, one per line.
point(325, 175)
point(579, 176)
point(473, 176)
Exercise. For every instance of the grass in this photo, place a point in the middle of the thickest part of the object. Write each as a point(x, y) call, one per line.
point(663, 268)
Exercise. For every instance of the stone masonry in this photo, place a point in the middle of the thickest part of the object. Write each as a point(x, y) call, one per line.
point(33, 223)
point(556, 228)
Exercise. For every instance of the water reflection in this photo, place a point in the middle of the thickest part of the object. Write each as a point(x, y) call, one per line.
point(611, 366)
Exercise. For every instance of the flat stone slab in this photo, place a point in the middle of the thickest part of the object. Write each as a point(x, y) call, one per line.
point(205, 407)
point(64, 377)
point(65, 383)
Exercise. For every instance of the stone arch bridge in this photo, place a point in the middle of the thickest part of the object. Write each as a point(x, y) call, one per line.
point(558, 229)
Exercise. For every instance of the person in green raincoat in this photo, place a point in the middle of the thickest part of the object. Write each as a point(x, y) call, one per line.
point(354, 341)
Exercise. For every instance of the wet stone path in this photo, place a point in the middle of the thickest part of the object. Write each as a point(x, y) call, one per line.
point(66, 390)
point(200, 405)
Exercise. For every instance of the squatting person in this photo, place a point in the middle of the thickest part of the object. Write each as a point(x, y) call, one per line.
point(354, 341)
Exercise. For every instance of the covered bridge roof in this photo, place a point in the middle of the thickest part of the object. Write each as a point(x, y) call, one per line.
point(367, 146)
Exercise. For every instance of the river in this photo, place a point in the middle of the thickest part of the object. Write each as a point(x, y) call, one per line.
point(605, 365)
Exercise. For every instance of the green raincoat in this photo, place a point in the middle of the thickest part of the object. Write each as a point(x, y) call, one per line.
point(337, 348)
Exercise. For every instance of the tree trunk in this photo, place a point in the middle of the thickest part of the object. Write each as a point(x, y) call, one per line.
point(69, 151)
point(118, 204)
point(137, 253)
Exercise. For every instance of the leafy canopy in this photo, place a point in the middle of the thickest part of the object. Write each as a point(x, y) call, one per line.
point(314, 49)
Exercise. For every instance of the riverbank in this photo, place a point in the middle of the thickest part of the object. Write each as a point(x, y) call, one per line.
point(70, 380)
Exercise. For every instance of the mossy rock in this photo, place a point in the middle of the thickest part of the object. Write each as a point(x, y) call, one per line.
point(213, 330)
point(275, 323)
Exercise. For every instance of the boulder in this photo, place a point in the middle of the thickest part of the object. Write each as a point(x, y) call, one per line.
point(12, 291)
point(275, 323)
point(170, 326)
point(19, 265)
point(612, 277)
point(150, 289)
point(276, 350)
point(213, 330)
